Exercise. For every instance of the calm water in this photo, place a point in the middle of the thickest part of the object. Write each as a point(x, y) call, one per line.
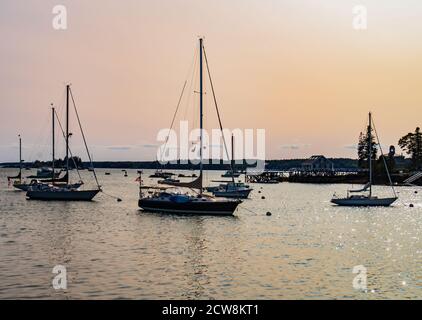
point(306, 249)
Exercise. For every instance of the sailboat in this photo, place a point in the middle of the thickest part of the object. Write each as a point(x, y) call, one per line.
point(56, 180)
point(66, 192)
point(231, 189)
point(367, 200)
point(232, 172)
point(17, 180)
point(161, 200)
point(50, 175)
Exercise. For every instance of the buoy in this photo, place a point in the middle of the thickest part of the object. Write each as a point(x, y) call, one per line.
point(262, 197)
point(411, 205)
point(268, 213)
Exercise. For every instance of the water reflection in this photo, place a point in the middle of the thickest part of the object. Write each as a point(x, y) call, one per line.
point(306, 249)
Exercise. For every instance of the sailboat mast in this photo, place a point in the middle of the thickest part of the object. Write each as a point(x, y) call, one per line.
point(370, 153)
point(67, 132)
point(53, 141)
point(20, 158)
point(200, 107)
point(232, 160)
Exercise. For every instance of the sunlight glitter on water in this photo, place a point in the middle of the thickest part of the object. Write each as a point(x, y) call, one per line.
point(306, 249)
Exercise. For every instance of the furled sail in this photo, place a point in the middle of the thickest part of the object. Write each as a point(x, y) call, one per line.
point(195, 184)
point(65, 178)
point(365, 188)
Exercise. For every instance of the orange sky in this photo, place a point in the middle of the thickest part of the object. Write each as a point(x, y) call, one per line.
point(295, 68)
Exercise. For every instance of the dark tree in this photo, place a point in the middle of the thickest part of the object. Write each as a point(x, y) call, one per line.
point(411, 143)
point(363, 148)
point(74, 162)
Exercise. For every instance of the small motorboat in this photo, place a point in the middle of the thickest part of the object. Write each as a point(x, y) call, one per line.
point(237, 190)
point(168, 181)
point(229, 174)
point(181, 175)
point(161, 174)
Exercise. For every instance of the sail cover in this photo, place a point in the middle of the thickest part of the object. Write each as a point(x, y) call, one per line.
point(365, 188)
point(65, 178)
point(195, 184)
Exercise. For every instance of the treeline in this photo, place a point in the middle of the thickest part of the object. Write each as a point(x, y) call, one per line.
point(74, 162)
point(283, 164)
point(411, 144)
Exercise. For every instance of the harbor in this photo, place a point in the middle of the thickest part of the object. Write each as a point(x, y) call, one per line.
point(306, 249)
point(210, 154)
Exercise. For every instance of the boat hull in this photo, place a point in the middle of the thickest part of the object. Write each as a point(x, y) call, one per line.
point(220, 208)
point(229, 175)
point(44, 176)
point(367, 202)
point(27, 186)
point(70, 195)
point(162, 175)
point(21, 186)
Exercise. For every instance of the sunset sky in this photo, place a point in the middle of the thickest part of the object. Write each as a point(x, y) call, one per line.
point(296, 68)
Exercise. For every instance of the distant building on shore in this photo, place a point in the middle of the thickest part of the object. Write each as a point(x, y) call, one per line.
point(399, 162)
point(317, 162)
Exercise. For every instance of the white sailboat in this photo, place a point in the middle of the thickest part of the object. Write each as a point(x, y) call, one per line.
point(365, 198)
point(231, 189)
point(66, 191)
point(49, 175)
